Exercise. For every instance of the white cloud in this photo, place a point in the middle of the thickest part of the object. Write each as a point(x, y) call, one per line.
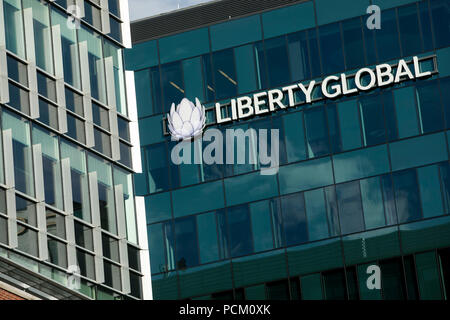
point(145, 8)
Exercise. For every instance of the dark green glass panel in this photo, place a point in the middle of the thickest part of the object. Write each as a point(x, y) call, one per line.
point(334, 285)
point(428, 276)
point(255, 293)
point(311, 287)
point(314, 257)
point(411, 279)
point(363, 276)
point(278, 290)
point(259, 268)
point(392, 279)
point(205, 279)
point(165, 286)
point(371, 245)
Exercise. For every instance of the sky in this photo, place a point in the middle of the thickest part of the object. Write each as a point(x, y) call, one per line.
point(146, 8)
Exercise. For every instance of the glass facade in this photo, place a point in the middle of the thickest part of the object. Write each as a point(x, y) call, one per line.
point(363, 180)
point(67, 203)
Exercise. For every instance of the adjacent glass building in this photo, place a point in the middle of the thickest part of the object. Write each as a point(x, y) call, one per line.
point(364, 180)
point(68, 123)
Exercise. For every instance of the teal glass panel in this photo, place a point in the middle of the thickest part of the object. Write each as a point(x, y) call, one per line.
point(331, 11)
point(405, 108)
point(440, 13)
point(432, 149)
point(311, 287)
point(429, 106)
point(372, 120)
point(331, 45)
point(409, 30)
point(387, 38)
point(314, 174)
point(192, 71)
point(372, 201)
point(316, 215)
point(142, 55)
point(15, 39)
point(411, 278)
point(295, 136)
point(349, 124)
point(335, 285)
point(255, 293)
point(264, 267)
point(277, 61)
point(392, 279)
point(430, 191)
point(184, 45)
point(245, 69)
point(250, 187)
point(350, 207)
point(261, 226)
point(386, 4)
point(443, 58)
point(2, 177)
point(353, 43)
point(165, 287)
point(207, 237)
point(158, 207)
point(299, 56)
point(361, 163)
point(205, 279)
point(317, 139)
point(229, 34)
point(143, 93)
point(425, 235)
point(157, 130)
point(294, 18)
point(161, 240)
point(371, 245)
point(428, 276)
point(444, 170)
point(314, 257)
point(172, 84)
point(364, 292)
point(210, 193)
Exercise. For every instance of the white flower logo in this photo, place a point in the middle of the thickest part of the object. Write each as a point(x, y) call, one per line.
point(187, 121)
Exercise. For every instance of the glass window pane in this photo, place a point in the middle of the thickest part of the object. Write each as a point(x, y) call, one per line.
point(84, 236)
point(350, 207)
point(294, 219)
point(26, 211)
point(100, 116)
point(102, 142)
point(86, 263)
point(69, 46)
point(93, 42)
point(12, 10)
point(19, 98)
point(299, 56)
point(372, 202)
point(48, 114)
point(162, 256)
point(430, 110)
point(110, 247)
point(112, 275)
point(113, 54)
point(240, 231)
point(335, 286)
point(157, 168)
point(316, 215)
point(331, 45)
point(124, 180)
point(17, 70)
point(207, 237)
point(349, 124)
point(407, 196)
point(192, 71)
point(277, 61)
point(27, 240)
point(261, 226)
point(406, 112)
point(51, 165)
point(42, 34)
point(245, 69)
point(372, 120)
point(225, 74)
point(23, 163)
point(387, 37)
point(441, 12)
point(76, 128)
point(56, 224)
point(172, 84)
point(74, 102)
point(392, 279)
point(57, 252)
point(105, 192)
point(353, 42)
point(187, 246)
point(430, 191)
point(409, 29)
point(3, 230)
point(295, 136)
point(79, 179)
point(316, 133)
